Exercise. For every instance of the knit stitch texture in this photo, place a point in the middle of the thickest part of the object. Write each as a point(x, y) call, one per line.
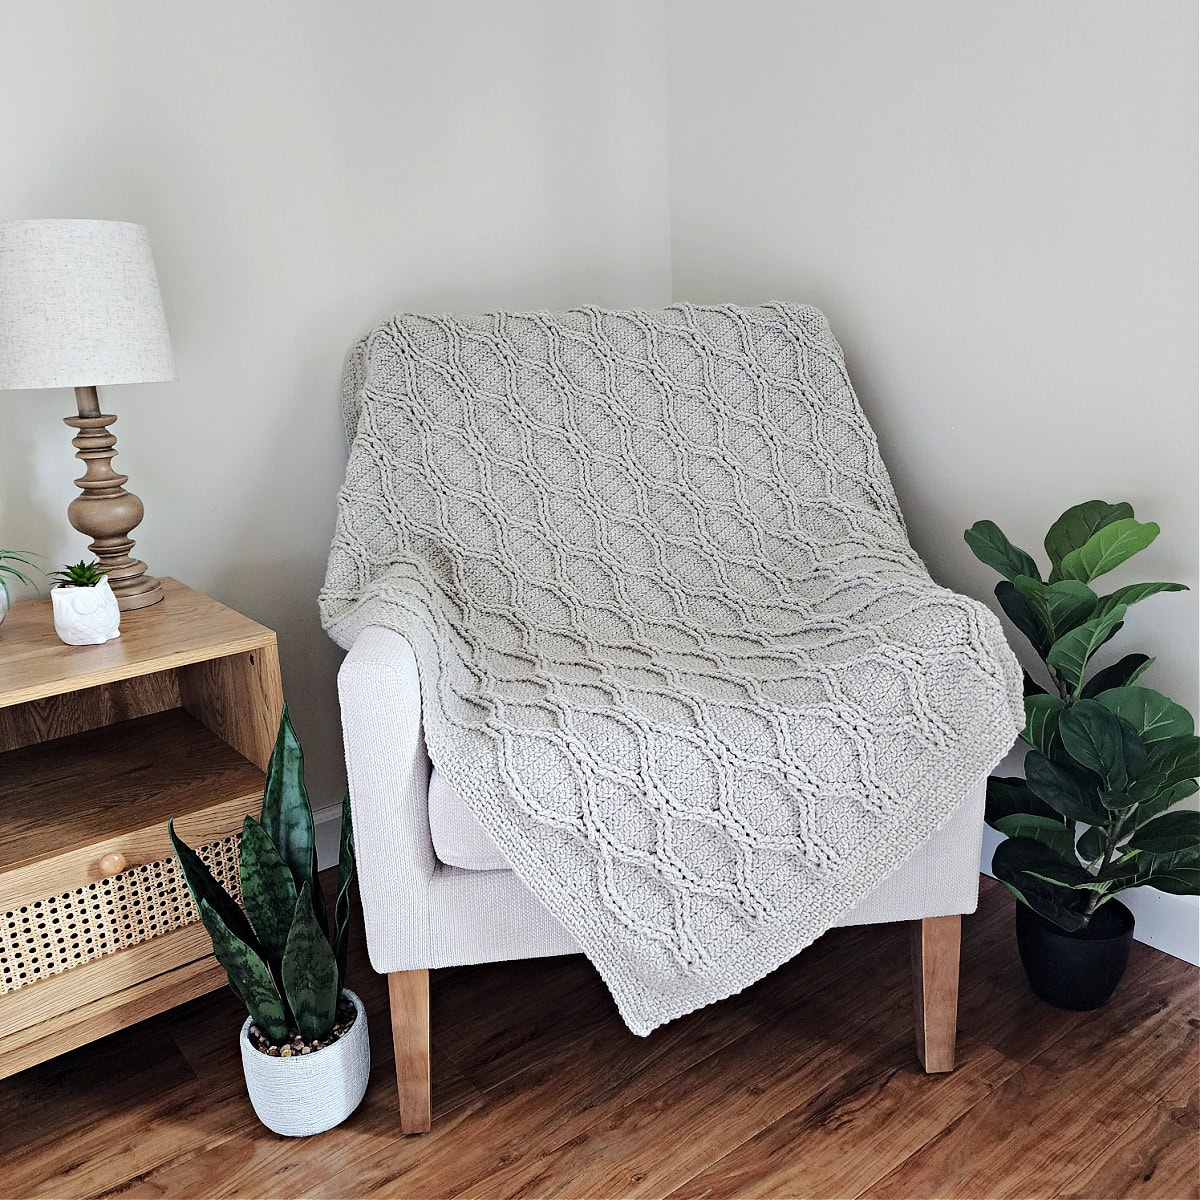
point(676, 653)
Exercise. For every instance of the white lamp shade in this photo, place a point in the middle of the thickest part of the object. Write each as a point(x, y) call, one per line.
point(80, 306)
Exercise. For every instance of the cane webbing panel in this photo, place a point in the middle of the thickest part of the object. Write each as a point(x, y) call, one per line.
point(50, 935)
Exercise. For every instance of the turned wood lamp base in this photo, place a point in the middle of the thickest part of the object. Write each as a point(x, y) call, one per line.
point(105, 511)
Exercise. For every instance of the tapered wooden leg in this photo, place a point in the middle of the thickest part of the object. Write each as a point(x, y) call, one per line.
point(408, 994)
point(935, 949)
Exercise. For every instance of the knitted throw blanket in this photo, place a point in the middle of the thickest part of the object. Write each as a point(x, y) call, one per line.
point(676, 653)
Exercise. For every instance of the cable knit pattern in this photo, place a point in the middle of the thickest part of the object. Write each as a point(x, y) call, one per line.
point(676, 653)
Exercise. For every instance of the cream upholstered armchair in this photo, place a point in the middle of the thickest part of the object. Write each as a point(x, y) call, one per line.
point(615, 549)
point(437, 893)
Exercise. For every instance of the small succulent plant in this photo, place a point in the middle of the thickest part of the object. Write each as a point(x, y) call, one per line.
point(80, 574)
point(8, 571)
point(284, 957)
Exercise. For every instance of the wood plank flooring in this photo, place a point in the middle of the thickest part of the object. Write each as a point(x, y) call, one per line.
point(805, 1085)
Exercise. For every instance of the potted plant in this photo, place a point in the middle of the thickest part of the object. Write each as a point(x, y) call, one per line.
point(304, 1045)
point(8, 571)
point(1108, 760)
point(85, 609)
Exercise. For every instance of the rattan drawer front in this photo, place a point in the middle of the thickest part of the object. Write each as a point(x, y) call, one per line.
point(52, 934)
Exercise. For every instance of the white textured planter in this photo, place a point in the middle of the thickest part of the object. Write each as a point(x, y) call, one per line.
point(86, 616)
point(309, 1093)
point(3, 606)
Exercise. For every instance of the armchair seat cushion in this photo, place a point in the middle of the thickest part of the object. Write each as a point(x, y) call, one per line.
point(458, 838)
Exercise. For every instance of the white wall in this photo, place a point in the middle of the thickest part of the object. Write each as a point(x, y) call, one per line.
point(305, 169)
point(995, 203)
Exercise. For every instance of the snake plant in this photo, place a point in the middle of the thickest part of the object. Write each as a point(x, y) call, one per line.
point(1108, 759)
point(283, 958)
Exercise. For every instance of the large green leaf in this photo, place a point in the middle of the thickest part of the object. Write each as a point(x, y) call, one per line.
point(1104, 743)
point(249, 976)
point(1149, 869)
point(310, 973)
point(268, 891)
point(992, 548)
point(1022, 616)
point(1120, 674)
point(1171, 761)
point(1069, 790)
point(1024, 866)
point(1050, 831)
point(1107, 548)
point(1073, 529)
point(1059, 607)
point(1069, 655)
point(1135, 592)
point(286, 812)
point(1092, 843)
point(1152, 714)
point(1041, 721)
point(1006, 796)
point(1172, 831)
point(1147, 810)
point(205, 889)
point(341, 907)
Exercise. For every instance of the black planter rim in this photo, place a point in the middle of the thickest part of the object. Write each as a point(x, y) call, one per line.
point(1116, 908)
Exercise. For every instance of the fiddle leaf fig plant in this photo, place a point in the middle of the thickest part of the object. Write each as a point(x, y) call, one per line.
point(281, 958)
point(1109, 759)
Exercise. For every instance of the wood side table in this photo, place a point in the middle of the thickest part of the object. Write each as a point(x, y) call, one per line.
point(99, 747)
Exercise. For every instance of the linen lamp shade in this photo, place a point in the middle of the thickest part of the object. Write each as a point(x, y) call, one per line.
point(80, 306)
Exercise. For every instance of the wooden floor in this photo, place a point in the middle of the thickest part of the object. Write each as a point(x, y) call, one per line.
point(805, 1085)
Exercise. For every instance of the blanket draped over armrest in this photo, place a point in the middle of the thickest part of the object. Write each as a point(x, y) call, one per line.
point(676, 653)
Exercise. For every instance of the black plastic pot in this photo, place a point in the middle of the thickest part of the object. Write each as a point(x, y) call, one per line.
point(1076, 971)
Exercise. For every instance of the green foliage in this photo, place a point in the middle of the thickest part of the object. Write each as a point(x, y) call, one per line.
point(80, 574)
point(8, 571)
point(278, 955)
point(1105, 754)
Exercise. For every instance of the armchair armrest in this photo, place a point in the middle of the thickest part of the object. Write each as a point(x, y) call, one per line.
point(387, 767)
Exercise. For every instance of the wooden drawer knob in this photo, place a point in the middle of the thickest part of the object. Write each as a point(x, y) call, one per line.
point(112, 863)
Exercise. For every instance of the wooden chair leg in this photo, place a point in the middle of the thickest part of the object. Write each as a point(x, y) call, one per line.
point(935, 951)
point(408, 995)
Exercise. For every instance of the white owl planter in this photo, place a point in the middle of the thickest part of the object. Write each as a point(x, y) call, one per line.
point(86, 616)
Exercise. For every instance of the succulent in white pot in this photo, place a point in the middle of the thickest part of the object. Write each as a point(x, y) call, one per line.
point(9, 572)
point(304, 1046)
point(86, 612)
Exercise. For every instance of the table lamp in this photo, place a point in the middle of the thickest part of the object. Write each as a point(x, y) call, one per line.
point(80, 307)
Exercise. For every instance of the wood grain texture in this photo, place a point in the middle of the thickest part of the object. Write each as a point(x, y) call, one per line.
point(935, 945)
point(804, 1085)
point(408, 995)
point(186, 627)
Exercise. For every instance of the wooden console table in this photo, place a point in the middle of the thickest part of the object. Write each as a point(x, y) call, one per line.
point(99, 746)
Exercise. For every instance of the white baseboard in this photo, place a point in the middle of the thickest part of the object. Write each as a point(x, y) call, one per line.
point(1169, 923)
point(1166, 922)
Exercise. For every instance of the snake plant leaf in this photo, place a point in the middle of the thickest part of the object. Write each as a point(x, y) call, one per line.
point(341, 906)
point(1170, 832)
point(1135, 592)
point(1050, 831)
point(286, 812)
point(1059, 607)
point(205, 889)
point(1009, 796)
point(1069, 790)
point(1023, 617)
point(1073, 529)
point(1104, 743)
point(1107, 548)
point(1121, 674)
point(1041, 721)
point(248, 974)
point(1070, 653)
point(1171, 761)
point(1152, 714)
point(310, 974)
point(993, 549)
point(268, 891)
